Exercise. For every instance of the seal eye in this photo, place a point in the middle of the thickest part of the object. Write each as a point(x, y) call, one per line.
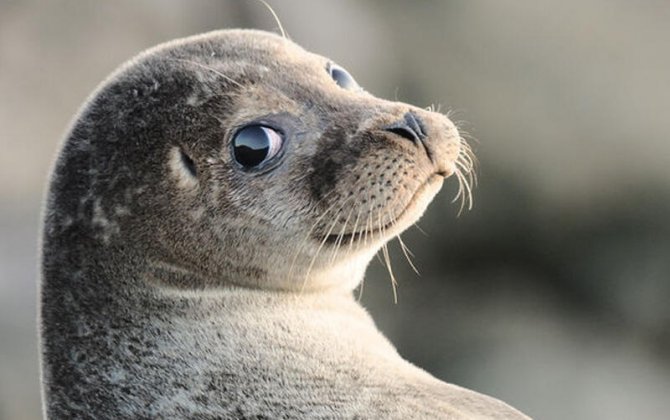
point(255, 144)
point(342, 77)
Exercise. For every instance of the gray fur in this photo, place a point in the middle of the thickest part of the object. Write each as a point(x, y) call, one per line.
point(228, 294)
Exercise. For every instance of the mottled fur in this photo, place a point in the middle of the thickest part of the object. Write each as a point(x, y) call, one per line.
point(228, 294)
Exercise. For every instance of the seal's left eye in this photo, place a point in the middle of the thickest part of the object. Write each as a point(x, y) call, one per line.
point(342, 77)
point(256, 144)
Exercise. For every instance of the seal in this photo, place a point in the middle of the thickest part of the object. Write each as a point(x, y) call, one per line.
point(213, 206)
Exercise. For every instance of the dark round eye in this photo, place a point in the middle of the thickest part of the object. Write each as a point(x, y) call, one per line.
point(342, 77)
point(255, 144)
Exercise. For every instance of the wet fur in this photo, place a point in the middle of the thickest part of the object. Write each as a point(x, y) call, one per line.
point(218, 296)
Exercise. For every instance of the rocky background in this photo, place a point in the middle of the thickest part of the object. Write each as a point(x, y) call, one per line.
point(553, 293)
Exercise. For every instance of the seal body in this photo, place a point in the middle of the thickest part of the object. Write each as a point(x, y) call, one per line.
point(213, 206)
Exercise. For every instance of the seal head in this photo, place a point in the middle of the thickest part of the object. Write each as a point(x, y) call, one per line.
point(240, 158)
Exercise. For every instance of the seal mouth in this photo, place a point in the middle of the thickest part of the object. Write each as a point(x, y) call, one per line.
point(419, 201)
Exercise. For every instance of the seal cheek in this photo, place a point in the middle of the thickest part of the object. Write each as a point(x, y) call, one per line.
point(326, 165)
point(324, 177)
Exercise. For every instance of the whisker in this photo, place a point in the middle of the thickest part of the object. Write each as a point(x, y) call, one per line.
point(406, 251)
point(417, 227)
point(281, 28)
point(394, 282)
point(206, 67)
point(468, 188)
point(313, 261)
point(353, 236)
point(360, 289)
point(467, 155)
point(309, 234)
point(368, 224)
point(340, 236)
point(462, 191)
point(387, 258)
point(464, 170)
point(323, 242)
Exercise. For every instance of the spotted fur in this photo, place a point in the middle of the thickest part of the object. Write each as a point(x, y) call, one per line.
point(176, 284)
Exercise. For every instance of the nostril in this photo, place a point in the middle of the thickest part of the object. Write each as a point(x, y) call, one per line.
point(410, 127)
point(416, 124)
point(404, 132)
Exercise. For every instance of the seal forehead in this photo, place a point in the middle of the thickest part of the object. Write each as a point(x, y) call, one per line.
point(241, 46)
point(252, 63)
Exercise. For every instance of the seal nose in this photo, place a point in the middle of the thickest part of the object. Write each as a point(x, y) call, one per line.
point(410, 127)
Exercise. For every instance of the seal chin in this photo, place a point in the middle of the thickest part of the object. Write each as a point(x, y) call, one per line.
point(413, 211)
point(416, 206)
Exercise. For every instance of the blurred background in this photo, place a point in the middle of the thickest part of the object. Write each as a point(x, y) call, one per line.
point(552, 294)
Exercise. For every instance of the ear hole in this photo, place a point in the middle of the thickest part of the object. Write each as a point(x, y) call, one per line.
point(188, 163)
